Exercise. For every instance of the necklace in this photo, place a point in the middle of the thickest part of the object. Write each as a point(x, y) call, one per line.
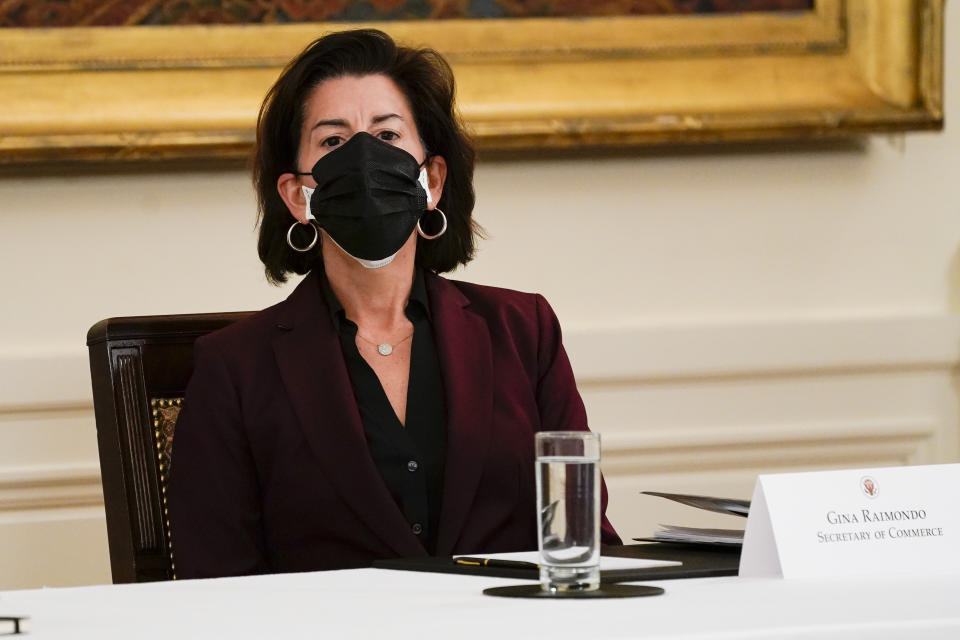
point(384, 348)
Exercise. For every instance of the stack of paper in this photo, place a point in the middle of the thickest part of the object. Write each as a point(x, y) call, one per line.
point(675, 533)
point(694, 535)
point(731, 506)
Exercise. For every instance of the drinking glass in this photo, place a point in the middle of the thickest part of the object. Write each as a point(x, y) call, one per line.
point(568, 505)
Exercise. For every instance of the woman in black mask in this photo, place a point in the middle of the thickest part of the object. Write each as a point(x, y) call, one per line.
point(381, 410)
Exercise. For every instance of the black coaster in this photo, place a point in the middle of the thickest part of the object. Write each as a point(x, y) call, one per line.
point(606, 590)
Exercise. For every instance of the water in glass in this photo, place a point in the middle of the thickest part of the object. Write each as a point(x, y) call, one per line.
point(568, 488)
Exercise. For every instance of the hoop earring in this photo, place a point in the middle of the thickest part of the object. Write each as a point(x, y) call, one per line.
point(316, 236)
point(442, 231)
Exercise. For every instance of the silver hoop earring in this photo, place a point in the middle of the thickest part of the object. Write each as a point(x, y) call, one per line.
point(442, 231)
point(316, 236)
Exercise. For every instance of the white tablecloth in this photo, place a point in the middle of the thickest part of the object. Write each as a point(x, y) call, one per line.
point(376, 603)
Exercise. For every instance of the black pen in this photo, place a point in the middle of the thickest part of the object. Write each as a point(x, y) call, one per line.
point(494, 563)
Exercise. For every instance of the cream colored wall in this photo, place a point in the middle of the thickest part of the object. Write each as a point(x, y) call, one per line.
point(727, 312)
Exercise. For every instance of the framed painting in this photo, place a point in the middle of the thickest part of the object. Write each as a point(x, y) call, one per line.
point(135, 79)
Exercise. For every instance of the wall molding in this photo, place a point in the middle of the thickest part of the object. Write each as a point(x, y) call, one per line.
point(45, 380)
point(35, 487)
point(673, 451)
point(600, 355)
point(48, 384)
point(758, 347)
point(773, 445)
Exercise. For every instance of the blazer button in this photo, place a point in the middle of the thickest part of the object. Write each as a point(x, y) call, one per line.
point(416, 528)
point(412, 466)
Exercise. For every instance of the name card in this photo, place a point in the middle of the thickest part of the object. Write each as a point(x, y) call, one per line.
point(895, 520)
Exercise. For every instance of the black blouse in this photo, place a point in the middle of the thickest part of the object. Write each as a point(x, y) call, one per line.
point(410, 458)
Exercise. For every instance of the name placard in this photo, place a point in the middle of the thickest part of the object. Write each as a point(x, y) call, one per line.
point(895, 520)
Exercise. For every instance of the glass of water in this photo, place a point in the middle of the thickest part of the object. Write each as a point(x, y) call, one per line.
point(568, 503)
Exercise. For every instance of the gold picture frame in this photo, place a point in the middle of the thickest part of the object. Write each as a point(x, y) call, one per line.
point(848, 67)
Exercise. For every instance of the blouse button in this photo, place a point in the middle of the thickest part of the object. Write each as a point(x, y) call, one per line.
point(417, 528)
point(412, 466)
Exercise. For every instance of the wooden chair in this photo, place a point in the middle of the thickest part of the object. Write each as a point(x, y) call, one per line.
point(140, 367)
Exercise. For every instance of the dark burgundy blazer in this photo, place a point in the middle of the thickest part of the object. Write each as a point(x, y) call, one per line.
point(271, 470)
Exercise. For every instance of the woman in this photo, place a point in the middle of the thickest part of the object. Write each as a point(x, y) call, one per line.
point(381, 410)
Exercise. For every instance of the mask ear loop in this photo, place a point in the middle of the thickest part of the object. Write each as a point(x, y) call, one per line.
point(307, 193)
point(426, 187)
point(424, 179)
point(425, 183)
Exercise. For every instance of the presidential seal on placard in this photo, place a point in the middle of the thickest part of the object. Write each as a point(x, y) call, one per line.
point(869, 486)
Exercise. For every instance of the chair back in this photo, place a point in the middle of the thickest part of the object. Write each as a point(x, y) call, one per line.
point(140, 367)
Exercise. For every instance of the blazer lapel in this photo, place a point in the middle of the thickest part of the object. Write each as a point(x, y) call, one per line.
point(466, 361)
point(315, 376)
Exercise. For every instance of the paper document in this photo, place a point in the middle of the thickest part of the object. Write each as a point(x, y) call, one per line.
point(607, 563)
point(730, 506)
point(675, 533)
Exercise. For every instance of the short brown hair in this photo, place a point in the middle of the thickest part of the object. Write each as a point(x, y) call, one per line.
point(425, 79)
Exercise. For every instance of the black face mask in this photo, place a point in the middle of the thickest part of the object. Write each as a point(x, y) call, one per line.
point(368, 198)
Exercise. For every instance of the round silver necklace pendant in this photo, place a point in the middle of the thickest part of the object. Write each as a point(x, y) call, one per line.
point(384, 349)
